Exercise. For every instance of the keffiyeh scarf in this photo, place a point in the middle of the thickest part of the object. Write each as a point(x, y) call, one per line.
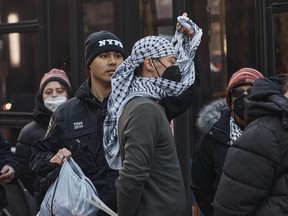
point(125, 85)
point(235, 131)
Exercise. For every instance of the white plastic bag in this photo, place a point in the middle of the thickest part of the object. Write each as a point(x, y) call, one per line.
point(99, 204)
point(66, 196)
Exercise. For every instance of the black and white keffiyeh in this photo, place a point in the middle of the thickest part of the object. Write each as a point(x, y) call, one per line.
point(235, 131)
point(125, 85)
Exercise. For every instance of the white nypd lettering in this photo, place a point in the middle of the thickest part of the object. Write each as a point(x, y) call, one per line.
point(78, 125)
point(110, 42)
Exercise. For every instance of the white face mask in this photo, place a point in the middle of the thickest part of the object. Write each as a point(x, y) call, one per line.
point(54, 102)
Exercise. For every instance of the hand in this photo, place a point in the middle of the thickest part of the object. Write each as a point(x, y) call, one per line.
point(190, 33)
point(61, 156)
point(7, 174)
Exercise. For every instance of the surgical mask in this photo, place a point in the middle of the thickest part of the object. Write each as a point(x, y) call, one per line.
point(172, 73)
point(52, 103)
point(239, 106)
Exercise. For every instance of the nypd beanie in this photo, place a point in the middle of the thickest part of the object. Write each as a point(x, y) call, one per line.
point(100, 42)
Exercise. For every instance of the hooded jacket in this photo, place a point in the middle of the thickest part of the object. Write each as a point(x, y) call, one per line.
point(213, 123)
point(255, 176)
point(28, 135)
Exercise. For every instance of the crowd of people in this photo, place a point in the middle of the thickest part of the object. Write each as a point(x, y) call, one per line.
point(117, 129)
point(220, 124)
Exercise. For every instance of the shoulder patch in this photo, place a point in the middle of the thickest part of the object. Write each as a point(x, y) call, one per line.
point(78, 124)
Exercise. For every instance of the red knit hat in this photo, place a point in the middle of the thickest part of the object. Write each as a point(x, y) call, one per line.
point(55, 75)
point(244, 76)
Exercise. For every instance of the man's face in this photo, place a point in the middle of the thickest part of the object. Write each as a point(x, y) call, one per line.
point(104, 65)
point(238, 92)
point(166, 61)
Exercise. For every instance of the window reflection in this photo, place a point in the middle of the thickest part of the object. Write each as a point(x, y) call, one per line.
point(281, 42)
point(164, 9)
point(156, 18)
point(97, 16)
point(18, 84)
point(14, 42)
point(26, 9)
point(217, 47)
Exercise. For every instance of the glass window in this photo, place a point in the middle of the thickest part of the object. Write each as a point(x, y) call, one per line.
point(217, 48)
point(25, 9)
point(281, 42)
point(19, 57)
point(163, 9)
point(97, 19)
point(19, 64)
point(156, 18)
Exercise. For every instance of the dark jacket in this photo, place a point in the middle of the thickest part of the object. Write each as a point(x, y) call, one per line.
point(150, 181)
point(7, 158)
point(175, 106)
point(255, 173)
point(28, 135)
point(210, 152)
point(78, 126)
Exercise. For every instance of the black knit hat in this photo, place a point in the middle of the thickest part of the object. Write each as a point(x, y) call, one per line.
point(100, 42)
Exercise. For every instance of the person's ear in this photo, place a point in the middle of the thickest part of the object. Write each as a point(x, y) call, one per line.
point(148, 64)
point(286, 94)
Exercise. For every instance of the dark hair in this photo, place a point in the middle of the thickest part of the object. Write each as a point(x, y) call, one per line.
point(139, 70)
point(66, 89)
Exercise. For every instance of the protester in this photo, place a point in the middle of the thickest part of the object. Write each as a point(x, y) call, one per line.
point(54, 90)
point(254, 179)
point(150, 180)
point(221, 122)
point(9, 171)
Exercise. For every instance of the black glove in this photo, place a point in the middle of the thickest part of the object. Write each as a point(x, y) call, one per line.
point(46, 182)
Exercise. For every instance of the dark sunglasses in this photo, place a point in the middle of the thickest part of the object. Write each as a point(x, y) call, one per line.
point(238, 92)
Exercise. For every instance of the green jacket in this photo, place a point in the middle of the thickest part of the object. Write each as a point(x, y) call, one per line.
point(150, 181)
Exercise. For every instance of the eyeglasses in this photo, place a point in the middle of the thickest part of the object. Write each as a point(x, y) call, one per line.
point(238, 92)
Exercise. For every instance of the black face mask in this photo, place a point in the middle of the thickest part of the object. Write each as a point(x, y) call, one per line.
point(239, 106)
point(172, 73)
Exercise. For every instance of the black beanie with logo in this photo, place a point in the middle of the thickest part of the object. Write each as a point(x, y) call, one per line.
point(99, 42)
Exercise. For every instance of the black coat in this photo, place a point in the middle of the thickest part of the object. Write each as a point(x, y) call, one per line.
point(210, 152)
point(27, 136)
point(7, 158)
point(78, 126)
point(255, 176)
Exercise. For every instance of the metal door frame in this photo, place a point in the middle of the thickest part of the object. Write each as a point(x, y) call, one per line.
point(265, 33)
